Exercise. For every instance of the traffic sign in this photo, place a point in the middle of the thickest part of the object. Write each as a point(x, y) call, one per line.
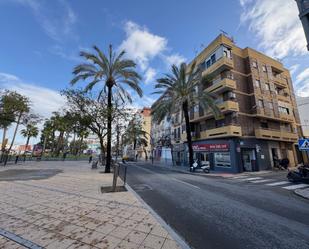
point(303, 144)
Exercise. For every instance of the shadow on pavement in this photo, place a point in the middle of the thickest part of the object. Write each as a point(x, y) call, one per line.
point(27, 174)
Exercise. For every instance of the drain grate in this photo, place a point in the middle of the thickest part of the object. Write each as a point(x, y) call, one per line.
point(141, 187)
point(19, 240)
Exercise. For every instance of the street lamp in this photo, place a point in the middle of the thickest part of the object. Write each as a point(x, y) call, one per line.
point(303, 6)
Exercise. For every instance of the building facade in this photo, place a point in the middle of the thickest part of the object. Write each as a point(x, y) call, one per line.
point(303, 6)
point(261, 122)
point(161, 136)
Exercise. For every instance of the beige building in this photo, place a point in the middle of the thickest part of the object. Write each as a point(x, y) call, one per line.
point(256, 97)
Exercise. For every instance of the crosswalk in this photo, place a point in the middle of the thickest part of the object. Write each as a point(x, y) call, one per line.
point(268, 182)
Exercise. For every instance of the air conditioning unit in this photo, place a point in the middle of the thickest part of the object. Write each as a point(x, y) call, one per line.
point(232, 95)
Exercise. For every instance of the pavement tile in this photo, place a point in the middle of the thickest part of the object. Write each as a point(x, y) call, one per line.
point(159, 231)
point(153, 241)
point(105, 228)
point(136, 237)
point(61, 243)
point(127, 245)
point(120, 232)
point(108, 242)
point(170, 244)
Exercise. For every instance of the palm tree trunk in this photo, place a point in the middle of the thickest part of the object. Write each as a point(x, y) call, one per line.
point(60, 138)
point(15, 132)
point(102, 148)
point(109, 129)
point(27, 142)
point(78, 152)
point(3, 138)
point(185, 109)
point(44, 146)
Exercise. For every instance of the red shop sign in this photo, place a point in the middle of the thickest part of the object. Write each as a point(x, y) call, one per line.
point(211, 147)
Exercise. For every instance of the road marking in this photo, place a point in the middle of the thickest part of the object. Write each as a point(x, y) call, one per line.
point(264, 180)
point(189, 184)
point(251, 179)
point(238, 177)
point(277, 183)
point(296, 186)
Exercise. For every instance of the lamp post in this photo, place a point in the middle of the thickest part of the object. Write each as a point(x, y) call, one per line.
point(303, 7)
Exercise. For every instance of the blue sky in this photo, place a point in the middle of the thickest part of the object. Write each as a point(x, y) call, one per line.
point(40, 40)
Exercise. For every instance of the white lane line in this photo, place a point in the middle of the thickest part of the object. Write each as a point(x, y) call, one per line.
point(264, 180)
point(296, 186)
point(277, 183)
point(189, 184)
point(251, 179)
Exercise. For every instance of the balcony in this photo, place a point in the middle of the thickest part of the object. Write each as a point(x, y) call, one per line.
point(222, 86)
point(260, 112)
point(225, 131)
point(284, 98)
point(220, 65)
point(286, 117)
point(279, 81)
point(276, 135)
point(225, 107)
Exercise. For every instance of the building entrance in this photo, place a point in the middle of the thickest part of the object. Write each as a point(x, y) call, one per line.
point(249, 160)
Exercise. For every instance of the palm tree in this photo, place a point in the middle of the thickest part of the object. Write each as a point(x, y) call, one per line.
point(136, 135)
point(114, 72)
point(179, 91)
point(30, 131)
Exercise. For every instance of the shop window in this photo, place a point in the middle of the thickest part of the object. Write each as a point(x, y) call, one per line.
point(222, 159)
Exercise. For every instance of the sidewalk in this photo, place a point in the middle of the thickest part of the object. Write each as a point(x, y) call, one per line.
point(68, 210)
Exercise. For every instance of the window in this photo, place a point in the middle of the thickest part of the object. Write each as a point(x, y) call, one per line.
point(213, 58)
point(264, 69)
point(271, 106)
point(267, 86)
point(284, 110)
point(208, 64)
point(254, 64)
point(264, 125)
point(257, 84)
point(220, 123)
point(222, 159)
point(261, 103)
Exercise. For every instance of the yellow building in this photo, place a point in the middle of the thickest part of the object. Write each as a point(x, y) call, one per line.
point(256, 97)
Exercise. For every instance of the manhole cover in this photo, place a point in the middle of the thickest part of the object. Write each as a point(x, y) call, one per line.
point(141, 187)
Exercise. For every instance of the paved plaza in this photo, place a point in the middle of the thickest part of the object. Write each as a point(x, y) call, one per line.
point(61, 206)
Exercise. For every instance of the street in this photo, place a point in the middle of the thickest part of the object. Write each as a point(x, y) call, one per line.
point(235, 212)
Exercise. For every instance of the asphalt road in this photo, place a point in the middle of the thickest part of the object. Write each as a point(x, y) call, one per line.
point(212, 212)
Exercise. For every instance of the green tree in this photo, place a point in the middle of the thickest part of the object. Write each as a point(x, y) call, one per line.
point(180, 90)
point(30, 131)
point(136, 136)
point(114, 72)
point(20, 109)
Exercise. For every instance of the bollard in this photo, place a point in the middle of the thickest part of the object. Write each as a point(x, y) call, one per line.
point(116, 172)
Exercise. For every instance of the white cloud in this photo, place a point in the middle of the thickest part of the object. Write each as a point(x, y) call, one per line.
point(57, 21)
point(276, 25)
point(59, 51)
point(294, 68)
point(44, 101)
point(304, 75)
point(174, 59)
point(141, 45)
point(150, 75)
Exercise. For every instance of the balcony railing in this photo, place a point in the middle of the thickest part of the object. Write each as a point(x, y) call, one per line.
point(224, 131)
point(261, 112)
point(279, 135)
point(220, 65)
point(225, 107)
point(222, 86)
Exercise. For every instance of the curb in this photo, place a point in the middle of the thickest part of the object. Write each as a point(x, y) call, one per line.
point(298, 194)
point(170, 230)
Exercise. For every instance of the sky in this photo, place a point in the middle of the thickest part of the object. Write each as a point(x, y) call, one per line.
point(41, 40)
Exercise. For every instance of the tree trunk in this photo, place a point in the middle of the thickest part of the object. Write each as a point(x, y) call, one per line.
point(102, 148)
point(109, 129)
point(59, 143)
point(80, 145)
point(44, 146)
point(27, 142)
point(15, 132)
point(3, 139)
point(185, 109)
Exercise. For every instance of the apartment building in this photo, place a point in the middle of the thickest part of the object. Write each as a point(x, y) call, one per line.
point(261, 120)
point(161, 135)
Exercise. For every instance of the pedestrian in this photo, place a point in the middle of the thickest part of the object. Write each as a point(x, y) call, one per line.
point(285, 162)
point(90, 158)
point(64, 156)
point(136, 157)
